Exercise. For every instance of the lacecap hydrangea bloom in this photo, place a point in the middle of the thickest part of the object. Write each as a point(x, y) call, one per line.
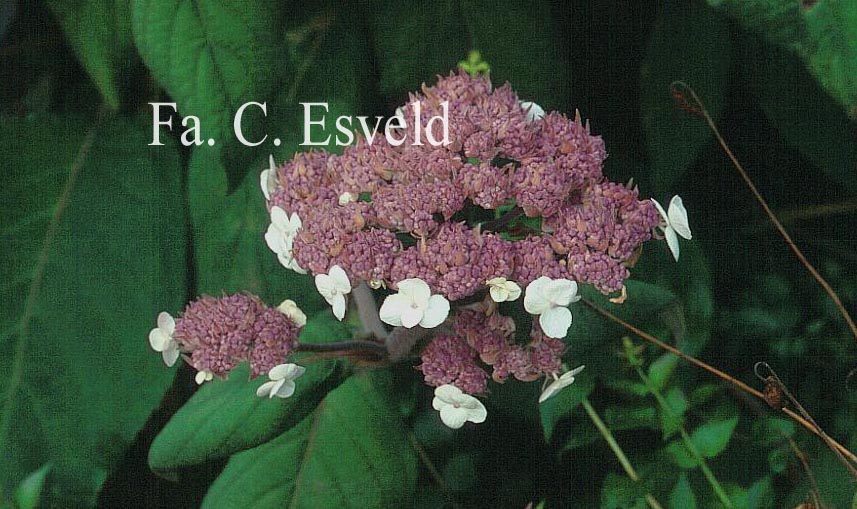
point(515, 203)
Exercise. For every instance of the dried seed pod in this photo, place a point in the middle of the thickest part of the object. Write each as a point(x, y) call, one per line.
point(773, 393)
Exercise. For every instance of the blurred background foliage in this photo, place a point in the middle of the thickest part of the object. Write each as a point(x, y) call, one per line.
point(101, 231)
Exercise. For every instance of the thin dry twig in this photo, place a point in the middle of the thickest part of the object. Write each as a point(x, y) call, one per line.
point(720, 374)
point(680, 91)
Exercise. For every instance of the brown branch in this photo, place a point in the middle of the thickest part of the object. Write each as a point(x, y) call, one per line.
point(720, 374)
point(699, 107)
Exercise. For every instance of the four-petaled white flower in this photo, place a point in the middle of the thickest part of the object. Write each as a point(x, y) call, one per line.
point(559, 383)
point(281, 237)
point(503, 290)
point(534, 111)
point(548, 298)
point(282, 381)
point(289, 308)
point(414, 305)
point(334, 286)
point(161, 339)
point(346, 198)
point(675, 222)
point(203, 376)
point(456, 407)
point(268, 178)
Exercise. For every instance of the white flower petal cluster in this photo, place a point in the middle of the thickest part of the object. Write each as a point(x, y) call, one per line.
point(289, 308)
point(334, 286)
point(280, 237)
point(503, 290)
point(161, 339)
point(534, 111)
point(456, 407)
point(675, 223)
point(282, 381)
point(549, 299)
point(414, 305)
point(268, 178)
point(559, 383)
point(203, 376)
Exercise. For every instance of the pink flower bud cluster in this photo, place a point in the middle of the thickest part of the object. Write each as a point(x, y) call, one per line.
point(219, 333)
point(386, 213)
point(479, 342)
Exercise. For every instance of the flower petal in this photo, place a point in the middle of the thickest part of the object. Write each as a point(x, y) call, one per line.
point(285, 390)
point(535, 300)
point(661, 210)
point(264, 390)
point(158, 340)
point(416, 289)
point(273, 238)
point(171, 354)
point(560, 291)
point(340, 280)
point(678, 217)
point(435, 313)
point(555, 322)
point(287, 371)
point(498, 293)
point(453, 417)
point(338, 306)
point(325, 286)
point(513, 289)
point(445, 394)
point(477, 413)
point(672, 241)
point(392, 309)
point(279, 219)
point(534, 111)
point(166, 323)
point(411, 316)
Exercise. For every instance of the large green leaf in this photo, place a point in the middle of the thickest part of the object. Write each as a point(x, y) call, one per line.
point(99, 31)
point(823, 34)
point(806, 117)
point(690, 43)
point(535, 61)
point(212, 56)
point(225, 417)
point(93, 248)
point(230, 249)
point(352, 452)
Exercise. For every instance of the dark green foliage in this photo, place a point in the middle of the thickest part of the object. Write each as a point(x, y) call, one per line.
point(99, 231)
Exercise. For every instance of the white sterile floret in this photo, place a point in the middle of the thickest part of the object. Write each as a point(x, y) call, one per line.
point(268, 178)
point(282, 381)
point(346, 198)
point(289, 308)
point(334, 286)
point(559, 383)
point(280, 237)
point(548, 298)
point(456, 407)
point(675, 222)
point(414, 305)
point(534, 111)
point(503, 290)
point(161, 339)
point(203, 376)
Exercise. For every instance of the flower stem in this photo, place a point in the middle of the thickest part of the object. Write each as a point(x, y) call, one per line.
point(685, 437)
point(617, 449)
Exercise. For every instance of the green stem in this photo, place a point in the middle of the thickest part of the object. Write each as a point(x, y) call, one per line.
point(617, 450)
point(667, 410)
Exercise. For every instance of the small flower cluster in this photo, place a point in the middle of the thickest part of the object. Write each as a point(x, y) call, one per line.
point(216, 334)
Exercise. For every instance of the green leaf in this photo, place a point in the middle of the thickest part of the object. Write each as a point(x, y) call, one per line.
point(682, 496)
point(823, 35)
point(352, 452)
point(533, 61)
point(212, 56)
point(99, 31)
point(94, 248)
point(226, 416)
point(690, 43)
point(711, 438)
point(806, 117)
point(29, 491)
point(561, 404)
point(229, 228)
